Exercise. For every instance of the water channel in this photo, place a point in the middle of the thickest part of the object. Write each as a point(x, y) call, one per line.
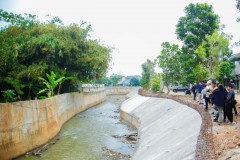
point(85, 135)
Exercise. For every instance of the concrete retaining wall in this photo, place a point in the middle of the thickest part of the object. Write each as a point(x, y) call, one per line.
point(26, 125)
point(119, 90)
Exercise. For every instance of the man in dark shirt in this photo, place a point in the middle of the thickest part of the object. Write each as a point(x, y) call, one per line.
point(194, 90)
point(232, 83)
point(230, 103)
point(200, 88)
point(219, 99)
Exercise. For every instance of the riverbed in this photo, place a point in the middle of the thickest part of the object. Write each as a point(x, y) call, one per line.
point(88, 134)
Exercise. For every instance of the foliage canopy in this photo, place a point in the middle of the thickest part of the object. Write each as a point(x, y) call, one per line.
point(147, 73)
point(30, 49)
point(168, 61)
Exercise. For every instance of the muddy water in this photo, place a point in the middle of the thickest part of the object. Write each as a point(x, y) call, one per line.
point(84, 136)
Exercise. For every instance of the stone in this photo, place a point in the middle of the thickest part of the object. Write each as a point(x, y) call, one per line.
point(219, 153)
point(231, 146)
point(132, 138)
point(104, 153)
point(36, 154)
point(116, 136)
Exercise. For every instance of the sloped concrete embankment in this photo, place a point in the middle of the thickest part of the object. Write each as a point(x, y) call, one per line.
point(26, 125)
point(166, 129)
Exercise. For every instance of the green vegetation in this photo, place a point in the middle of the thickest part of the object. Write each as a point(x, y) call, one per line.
point(134, 82)
point(205, 53)
point(119, 80)
point(214, 50)
point(224, 71)
point(8, 96)
point(150, 80)
point(192, 29)
point(168, 60)
point(147, 73)
point(156, 82)
point(205, 46)
point(51, 83)
point(31, 49)
point(115, 79)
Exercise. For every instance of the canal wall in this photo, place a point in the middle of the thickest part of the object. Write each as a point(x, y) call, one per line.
point(166, 129)
point(26, 125)
point(120, 90)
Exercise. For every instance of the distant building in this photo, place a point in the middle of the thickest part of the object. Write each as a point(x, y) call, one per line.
point(126, 80)
point(236, 71)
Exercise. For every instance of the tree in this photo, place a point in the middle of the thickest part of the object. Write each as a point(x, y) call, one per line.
point(156, 82)
point(192, 29)
point(115, 79)
point(134, 82)
point(105, 80)
point(199, 21)
point(169, 62)
point(224, 71)
point(12, 19)
point(214, 50)
point(30, 49)
point(147, 73)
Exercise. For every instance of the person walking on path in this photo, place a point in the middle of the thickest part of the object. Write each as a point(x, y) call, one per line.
point(194, 90)
point(230, 103)
point(234, 105)
point(232, 83)
point(219, 95)
point(206, 93)
point(200, 88)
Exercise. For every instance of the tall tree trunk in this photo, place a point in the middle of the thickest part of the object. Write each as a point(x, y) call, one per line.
point(59, 88)
point(29, 94)
point(168, 90)
point(167, 85)
point(162, 87)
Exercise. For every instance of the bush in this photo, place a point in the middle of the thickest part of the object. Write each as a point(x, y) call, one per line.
point(9, 96)
point(156, 80)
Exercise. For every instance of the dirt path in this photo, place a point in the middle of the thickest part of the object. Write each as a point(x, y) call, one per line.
point(227, 138)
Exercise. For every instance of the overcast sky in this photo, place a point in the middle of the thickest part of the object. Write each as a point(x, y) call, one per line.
point(135, 28)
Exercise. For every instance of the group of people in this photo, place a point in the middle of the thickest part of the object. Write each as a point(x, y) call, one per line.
point(222, 99)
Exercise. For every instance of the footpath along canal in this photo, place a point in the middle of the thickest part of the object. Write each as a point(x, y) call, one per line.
point(97, 133)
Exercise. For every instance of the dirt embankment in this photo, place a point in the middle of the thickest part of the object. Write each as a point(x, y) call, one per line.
point(226, 138)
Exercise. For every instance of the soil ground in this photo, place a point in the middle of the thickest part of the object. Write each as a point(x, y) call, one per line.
point(226, 137)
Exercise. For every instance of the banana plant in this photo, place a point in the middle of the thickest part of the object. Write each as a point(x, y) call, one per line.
point(50, 83)
point(63, 74)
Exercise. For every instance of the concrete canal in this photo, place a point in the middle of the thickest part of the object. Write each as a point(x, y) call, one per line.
point(90, 135)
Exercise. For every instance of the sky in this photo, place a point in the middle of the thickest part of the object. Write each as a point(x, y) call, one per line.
point(134, 28)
